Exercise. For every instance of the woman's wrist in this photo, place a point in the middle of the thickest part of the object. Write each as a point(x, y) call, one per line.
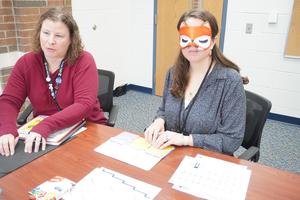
point(159, 120)
point(187, 140)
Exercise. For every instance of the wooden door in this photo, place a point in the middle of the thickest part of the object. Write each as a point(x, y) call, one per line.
point(167, 47)
point(216, 8)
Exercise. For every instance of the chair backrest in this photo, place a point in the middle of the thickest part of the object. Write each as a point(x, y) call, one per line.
point(258, 108)
point(105, 90)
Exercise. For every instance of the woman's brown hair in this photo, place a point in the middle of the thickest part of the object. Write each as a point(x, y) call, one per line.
point(62, 15)
point(180, 78)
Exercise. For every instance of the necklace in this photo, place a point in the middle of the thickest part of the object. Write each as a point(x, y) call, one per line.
point(191, 92)
point(189, 95)
point(58, 81)
point(193, 87)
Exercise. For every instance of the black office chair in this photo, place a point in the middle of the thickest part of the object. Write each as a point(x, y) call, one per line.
point(105, 96)
point(258, 108)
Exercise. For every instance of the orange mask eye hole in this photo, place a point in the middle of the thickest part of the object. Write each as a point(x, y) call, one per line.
point(203, 41)
point(184, 41)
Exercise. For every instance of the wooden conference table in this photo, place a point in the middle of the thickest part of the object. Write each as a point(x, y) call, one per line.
point(77, 158)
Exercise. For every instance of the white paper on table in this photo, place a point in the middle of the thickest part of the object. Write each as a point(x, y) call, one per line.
point(79, 131)
point(211, 178)
point(133, 149)
point(103, 183)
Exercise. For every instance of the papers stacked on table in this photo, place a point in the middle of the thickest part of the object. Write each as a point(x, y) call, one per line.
point(133, 149)
point(211, 178)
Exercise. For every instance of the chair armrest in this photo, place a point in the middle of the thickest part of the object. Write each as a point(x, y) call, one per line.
point(22, 119)
point(113, 116)
point(249, 153)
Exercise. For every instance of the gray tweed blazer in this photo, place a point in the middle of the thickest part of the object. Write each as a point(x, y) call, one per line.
point(217, 118)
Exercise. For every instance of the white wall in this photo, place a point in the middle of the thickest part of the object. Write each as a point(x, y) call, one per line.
point(123, 39)
point(8, 60)
point(261, 54)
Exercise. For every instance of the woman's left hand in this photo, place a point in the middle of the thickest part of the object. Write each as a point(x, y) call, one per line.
point(34, 139)
point(172, 138)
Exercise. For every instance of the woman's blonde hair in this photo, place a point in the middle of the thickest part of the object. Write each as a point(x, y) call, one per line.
point(62, 15)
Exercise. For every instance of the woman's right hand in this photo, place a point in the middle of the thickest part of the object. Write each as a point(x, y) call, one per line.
point(7, 144)
point(33, 141)
point(153, 131)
